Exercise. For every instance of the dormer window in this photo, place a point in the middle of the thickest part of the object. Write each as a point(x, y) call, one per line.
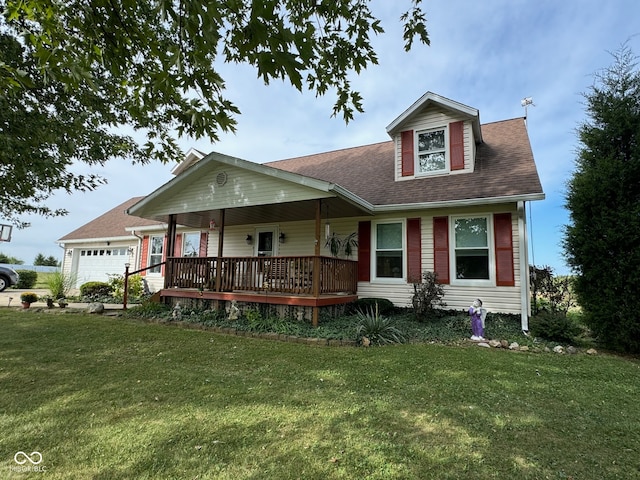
point(438, 150)
point(432, 151)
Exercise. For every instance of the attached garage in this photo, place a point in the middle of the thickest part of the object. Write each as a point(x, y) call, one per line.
point(96, 264)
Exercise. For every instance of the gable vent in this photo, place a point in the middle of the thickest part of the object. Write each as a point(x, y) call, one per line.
point(221, 179)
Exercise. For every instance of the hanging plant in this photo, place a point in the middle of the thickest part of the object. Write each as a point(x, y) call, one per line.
point(345, 246)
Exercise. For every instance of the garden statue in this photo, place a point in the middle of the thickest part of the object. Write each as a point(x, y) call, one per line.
point(478, 315)
point(233, 310)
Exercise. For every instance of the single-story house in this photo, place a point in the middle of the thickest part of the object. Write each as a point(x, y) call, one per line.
point(444, 194)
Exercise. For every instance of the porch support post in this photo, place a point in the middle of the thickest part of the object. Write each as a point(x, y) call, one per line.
point(171, 235)
point(316, 263)
point(220, 249)
point(171, 245)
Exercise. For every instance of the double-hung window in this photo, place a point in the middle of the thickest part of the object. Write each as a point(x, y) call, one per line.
point(472, 252)
point(432, 151)
point(155, 253)
point(389, 258)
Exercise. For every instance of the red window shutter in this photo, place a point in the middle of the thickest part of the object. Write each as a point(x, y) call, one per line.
point(441, 249)
point(144, 254)
point(456, 145)
point(364, 251)
point(414, 250)
point(204, 239)
point(407, 153)
point(177, 248)
point(505, 275)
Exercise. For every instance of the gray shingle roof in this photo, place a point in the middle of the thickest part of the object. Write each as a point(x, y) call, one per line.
point(110, 224)
point(504, 167)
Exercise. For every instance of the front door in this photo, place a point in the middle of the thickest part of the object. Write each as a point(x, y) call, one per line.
point(265, 246)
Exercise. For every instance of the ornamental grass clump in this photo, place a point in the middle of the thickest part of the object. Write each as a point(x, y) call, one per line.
point(376, 329)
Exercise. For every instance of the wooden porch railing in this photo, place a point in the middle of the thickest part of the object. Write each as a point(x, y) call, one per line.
point(292, 275)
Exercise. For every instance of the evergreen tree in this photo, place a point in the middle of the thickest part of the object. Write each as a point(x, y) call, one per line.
point(602, 241)
point(49, 261)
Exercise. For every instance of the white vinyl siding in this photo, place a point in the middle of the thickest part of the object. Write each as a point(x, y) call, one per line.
point(242, 188)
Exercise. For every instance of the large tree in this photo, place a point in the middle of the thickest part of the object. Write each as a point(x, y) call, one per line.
point(154, 65)
point(602, 241)
point(44, 129)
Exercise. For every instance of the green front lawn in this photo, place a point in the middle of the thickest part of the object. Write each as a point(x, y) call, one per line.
point(110, 398)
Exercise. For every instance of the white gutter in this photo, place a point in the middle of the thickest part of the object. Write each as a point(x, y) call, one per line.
point(471, 202)
point(149, 228)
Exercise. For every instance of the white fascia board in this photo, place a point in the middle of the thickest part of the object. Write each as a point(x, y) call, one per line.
point(472, 202)
point(95, 240)
point(191, 157)
point(353, 198)
point(148, 228)
point(435, 98)
point(236, 162)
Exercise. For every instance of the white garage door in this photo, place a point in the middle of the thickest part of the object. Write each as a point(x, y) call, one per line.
point(95, 264)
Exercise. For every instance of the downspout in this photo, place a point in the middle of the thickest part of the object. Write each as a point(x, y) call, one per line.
point(138, 250)
point(525, 304)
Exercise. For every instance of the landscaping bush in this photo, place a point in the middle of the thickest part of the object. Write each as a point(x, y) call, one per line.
point(376, 329)
point(554, 326)
point(135, 286)
point(27, 279)
point(385, 306)
point(427, 295)
point(95, 290)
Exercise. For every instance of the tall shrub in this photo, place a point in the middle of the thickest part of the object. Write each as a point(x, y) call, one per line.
point(27, 279)
point(427, 295)
point(603, 199)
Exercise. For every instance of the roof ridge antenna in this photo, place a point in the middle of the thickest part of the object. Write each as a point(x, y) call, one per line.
point(525, 102)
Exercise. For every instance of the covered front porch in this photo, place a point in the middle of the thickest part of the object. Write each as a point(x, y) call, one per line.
point(242, 207)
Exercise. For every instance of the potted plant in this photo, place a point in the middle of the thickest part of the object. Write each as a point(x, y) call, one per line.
point(28, 298)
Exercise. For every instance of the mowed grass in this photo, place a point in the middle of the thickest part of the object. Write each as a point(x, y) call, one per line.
point(109, 398)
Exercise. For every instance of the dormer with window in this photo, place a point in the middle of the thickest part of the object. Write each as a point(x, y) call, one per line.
point(435, 136)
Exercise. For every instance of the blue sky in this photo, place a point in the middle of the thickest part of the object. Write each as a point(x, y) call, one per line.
point(488, 55)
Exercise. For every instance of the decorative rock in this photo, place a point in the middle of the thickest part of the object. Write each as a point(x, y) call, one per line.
point(524, 348)
point(95, 307)
point(494, 343)
point(484, 344)
point(504, 343)
point(514, 346)
point(592, 351)
point(558, 349)
point(572, 350)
